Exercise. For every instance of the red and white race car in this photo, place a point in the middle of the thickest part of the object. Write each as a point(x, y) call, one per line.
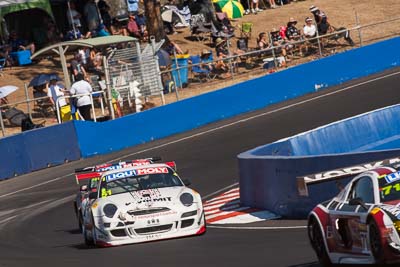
point(361, 225)
point(89, 177)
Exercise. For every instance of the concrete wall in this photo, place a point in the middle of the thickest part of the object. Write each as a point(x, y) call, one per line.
point(268, 173)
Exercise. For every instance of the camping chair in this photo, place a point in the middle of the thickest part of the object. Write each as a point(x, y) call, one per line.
point(43, 104)
point(197, 71)
point(245, 30)
point(199, 28)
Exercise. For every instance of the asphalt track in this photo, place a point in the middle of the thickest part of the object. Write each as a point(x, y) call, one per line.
point(38, 226)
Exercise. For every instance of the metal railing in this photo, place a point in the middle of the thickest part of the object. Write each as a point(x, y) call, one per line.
point(361, 34)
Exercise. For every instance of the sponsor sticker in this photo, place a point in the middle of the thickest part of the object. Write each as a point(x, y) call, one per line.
point(390, 178)
point(119, 175)
point(145, 171)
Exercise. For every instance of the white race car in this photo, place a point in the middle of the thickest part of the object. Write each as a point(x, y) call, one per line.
point(139, 204)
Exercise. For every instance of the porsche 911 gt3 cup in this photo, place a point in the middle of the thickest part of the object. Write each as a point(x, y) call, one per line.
point(88, 178)
point(361, 225)
point(139, 204)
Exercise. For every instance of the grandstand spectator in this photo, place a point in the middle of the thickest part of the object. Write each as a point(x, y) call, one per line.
point(117, 28)
point(262, 41)
point(132, 27)
point(254, 6)
point(18, 44)
point(309, 30)
point(77, 66)
point(141, 23)
point(272, 3)
point(292, 33)
point(83, 102)
point(133, 6)
point(321, 19)
point(91, 15)
point(104, 9)
point(277, 40)
point(245, 4)
point(73, 16)
point(54, 92)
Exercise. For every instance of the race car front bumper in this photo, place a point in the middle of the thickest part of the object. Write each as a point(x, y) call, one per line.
point(145, 229)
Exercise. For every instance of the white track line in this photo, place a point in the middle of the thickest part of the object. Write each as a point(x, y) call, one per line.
point(219, 128)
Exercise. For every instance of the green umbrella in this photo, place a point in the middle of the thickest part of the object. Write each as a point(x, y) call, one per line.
point(232, 8)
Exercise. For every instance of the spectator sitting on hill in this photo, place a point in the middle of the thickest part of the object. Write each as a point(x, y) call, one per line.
point(73, 16)
point(277, 40)
point(132, 27)
point(262, 41)
point(18, 44)
point(292, 33)
point(141, 22)
point(117, 29)
point(309, 30)
point(104, 9)
point(207, 60)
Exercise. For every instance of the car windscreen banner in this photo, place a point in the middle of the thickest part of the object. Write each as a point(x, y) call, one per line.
point(304, 181)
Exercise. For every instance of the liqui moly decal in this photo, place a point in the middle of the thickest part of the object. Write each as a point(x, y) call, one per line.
point(152, 170)
point(119, 175)
point(110, 168)
point(348, 171)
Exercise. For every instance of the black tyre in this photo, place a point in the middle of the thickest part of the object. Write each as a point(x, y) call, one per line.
point(88, 241)
point(375, 242)
point(80, 222)
point(317, 242)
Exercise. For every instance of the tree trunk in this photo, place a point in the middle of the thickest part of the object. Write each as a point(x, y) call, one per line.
point(154, 22)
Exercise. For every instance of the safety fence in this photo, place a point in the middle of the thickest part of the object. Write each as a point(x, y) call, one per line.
point(133, 84)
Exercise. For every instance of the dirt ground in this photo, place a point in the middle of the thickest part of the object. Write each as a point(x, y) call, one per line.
point(340, 13)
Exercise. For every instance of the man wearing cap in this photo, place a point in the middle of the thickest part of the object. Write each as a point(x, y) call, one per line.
point(309, 30)
point(321, 19)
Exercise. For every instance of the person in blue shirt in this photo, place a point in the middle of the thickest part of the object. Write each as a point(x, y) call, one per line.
point(133, 6)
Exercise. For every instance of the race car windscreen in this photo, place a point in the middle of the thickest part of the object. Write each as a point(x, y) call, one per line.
point(135, 180)
point(389, 189)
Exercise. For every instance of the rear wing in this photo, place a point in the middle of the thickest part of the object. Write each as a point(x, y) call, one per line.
point(333, 175)
point(98, 170)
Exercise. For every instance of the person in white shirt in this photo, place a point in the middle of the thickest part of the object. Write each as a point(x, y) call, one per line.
point(73, 16)
point(84, 102)
point(309, 30)
point(54, 92)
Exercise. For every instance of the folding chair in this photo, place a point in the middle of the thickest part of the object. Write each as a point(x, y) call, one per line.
point(199, 28)
point(245, 30)
point(197, 71)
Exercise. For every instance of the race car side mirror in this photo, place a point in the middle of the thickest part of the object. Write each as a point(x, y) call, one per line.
point(84, 188)
point(92, 195)
point(186, 182)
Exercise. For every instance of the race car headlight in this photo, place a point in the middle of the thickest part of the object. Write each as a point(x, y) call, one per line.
point(186, 199)
point(109, 210)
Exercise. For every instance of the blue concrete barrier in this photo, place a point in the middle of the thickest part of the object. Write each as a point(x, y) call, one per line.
point(37, 149)
point(99, 138)
point(268, 173)
point(237, 99)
